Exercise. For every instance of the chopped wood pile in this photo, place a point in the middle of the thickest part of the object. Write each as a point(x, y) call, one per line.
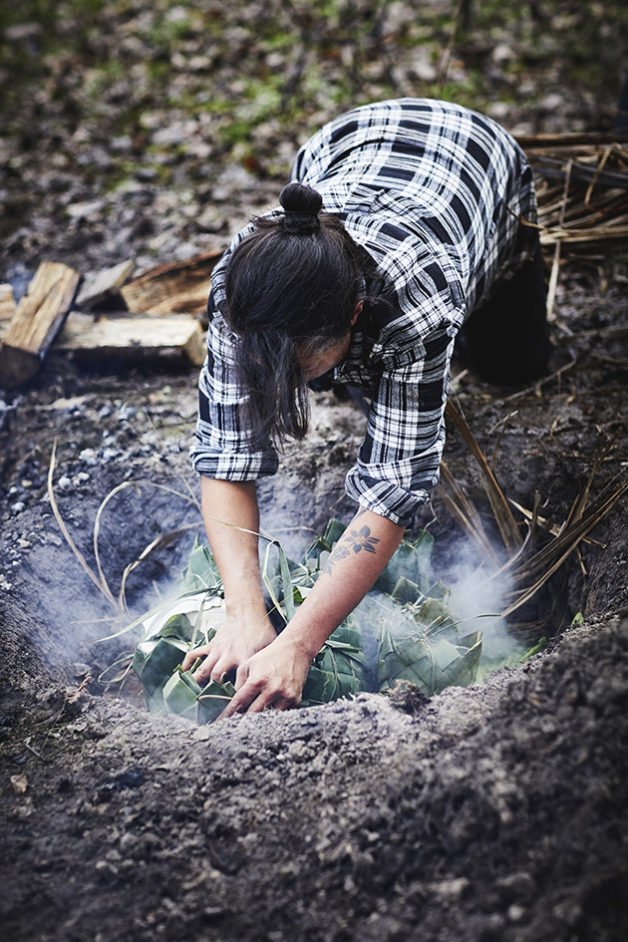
point(157, 313)
point(582, 191)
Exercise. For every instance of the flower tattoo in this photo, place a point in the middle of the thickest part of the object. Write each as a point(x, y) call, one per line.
point(352, 541)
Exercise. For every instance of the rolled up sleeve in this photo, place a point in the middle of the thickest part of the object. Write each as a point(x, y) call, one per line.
point(398, 462)
point(222, 447)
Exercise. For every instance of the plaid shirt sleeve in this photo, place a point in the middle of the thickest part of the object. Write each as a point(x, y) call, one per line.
point(398, 462)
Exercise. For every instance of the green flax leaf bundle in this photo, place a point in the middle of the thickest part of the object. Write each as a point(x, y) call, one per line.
point(418, 640)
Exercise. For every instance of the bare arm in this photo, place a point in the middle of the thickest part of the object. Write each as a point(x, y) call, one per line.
point(247, 628)
point(275, 676)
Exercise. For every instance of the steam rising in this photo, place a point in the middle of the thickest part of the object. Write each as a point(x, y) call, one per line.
point(476, 599)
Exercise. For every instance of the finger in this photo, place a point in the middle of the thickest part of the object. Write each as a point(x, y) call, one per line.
point(283, 703)
point(192, 655)
point(260, 704)
point(221, 667)
point(241, 700)
point(204, 671)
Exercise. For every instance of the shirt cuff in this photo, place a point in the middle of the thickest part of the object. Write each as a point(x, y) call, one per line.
point(234, 467)
point(385, 498)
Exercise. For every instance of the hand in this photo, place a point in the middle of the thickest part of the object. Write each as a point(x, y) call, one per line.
point(273, 677)
point(234, 643)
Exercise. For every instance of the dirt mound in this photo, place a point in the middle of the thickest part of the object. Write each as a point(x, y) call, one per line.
point(494, 812)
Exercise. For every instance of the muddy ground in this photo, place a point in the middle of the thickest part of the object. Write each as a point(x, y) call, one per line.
point(496, 812)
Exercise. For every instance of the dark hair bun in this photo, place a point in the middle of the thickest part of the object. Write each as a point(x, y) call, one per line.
point(301, 205)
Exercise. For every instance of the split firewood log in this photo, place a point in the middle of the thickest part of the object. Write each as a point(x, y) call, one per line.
point(168, 289)
point(36, 322)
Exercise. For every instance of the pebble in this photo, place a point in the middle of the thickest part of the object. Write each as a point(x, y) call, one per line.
point(551, 102)
point(88, 455)
point(18, 507)
point(80, 669)
point(64, 483)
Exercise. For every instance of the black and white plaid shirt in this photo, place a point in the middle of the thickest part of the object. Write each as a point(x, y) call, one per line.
point(434, 193)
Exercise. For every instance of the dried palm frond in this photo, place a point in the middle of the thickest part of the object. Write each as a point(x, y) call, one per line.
point(582, 191)
point(501, 511)
point(529, 571)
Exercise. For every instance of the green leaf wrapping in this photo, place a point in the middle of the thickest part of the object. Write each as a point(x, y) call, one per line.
point(180, 694)
point(177, 626)
point(429, 664)
point(201, 571)
point(412, 561)
point(212, 700)
point(338, 670)
point(424, 649)
point(154, 661)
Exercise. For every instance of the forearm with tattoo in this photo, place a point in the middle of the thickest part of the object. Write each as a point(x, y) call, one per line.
point(352, 541)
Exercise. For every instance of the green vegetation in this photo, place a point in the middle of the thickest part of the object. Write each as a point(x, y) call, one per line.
point(412, 636)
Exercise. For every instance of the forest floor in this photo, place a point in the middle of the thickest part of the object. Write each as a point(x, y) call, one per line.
point(494, 812)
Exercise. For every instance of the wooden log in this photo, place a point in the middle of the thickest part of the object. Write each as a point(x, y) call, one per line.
point(36, 322)
point(96, 288)
point(132, 336)
point(8, 307)
point(167, 289)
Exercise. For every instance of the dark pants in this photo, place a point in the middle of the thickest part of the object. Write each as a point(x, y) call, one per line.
point(506, 339)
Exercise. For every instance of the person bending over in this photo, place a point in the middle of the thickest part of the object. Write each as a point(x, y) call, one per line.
point(406, 222)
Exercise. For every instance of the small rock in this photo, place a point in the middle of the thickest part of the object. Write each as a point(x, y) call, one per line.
point(498, 110)
point(64, 483)
point(502, 52)
point(551, 102)
point(516, 913)
point(80, 670)
point(88, 455)
point(145, 174)
point(19, 783)
point(86, 209)
point(18, 507)
point(22, 31)
point(568, 912)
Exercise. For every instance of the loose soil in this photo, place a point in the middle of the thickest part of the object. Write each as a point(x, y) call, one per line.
point(496, 812)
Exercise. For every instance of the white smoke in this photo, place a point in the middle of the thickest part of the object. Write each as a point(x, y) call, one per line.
point(477, 596)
